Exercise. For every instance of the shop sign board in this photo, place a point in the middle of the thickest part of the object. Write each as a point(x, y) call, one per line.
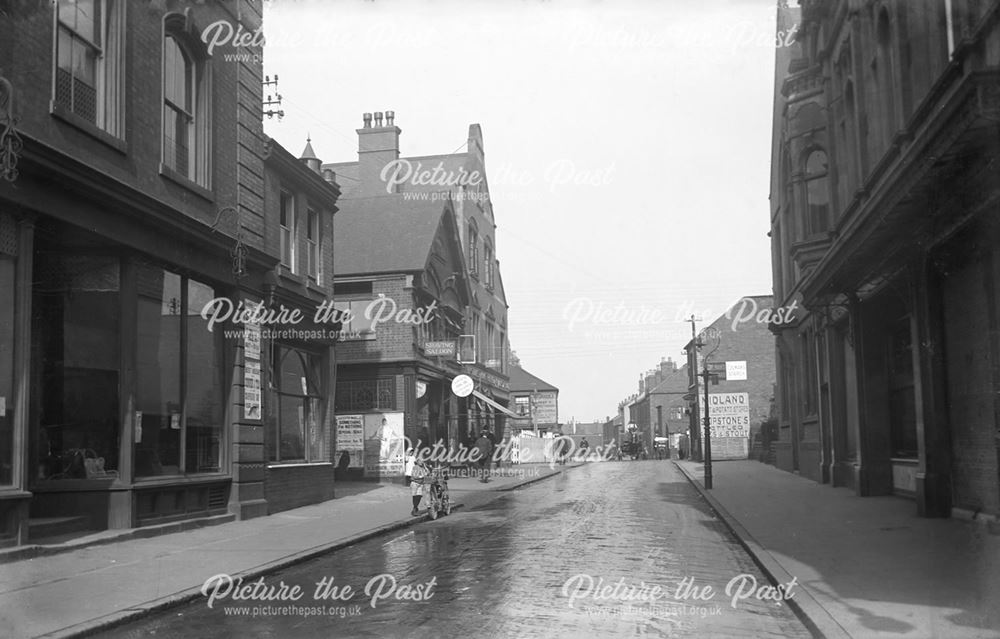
point(444, 348)
point(736, 371)
point(462, 385)
point(729, 414)
point(545, 409)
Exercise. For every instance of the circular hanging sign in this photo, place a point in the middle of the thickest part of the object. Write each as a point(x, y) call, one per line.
point(462, 385)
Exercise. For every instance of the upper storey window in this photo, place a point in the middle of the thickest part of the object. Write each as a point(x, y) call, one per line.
point(817, 193)
point(88, 75)
point(186, 126)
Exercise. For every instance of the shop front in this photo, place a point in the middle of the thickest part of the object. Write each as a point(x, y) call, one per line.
point(114, 405)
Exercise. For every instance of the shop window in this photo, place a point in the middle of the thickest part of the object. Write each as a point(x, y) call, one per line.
point(89, 62)
point(7, 280)
point(186, 128)
point(297, 432)
point(811, 390)
point(522, 405)
point(367, 394)
point(203, 386)
point(902, 397)
point(286, 225)
point(178, 377)
point(75, 353)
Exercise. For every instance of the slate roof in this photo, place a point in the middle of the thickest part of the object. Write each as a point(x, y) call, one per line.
point(522, 380)
point(384, 234)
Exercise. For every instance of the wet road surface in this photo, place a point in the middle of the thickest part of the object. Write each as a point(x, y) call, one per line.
point(621, 549)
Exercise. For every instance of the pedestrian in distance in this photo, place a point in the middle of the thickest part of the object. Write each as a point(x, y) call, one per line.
point(584, 448)
point(411, 457)
point(342, 465)
point(493, 450)
point(484, 447)
point(419, 476)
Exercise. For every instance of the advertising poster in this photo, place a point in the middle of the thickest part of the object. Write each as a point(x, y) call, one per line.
point(351, 438)
point(729, 415)
point(251, 335)
point(546, 411)
point(251, 388)
point(384, 444)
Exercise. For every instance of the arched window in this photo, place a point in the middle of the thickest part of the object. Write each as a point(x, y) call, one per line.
point(488, 262)
point(473, 255)
point(186, 125)
point(817, 192)
point(178, 107)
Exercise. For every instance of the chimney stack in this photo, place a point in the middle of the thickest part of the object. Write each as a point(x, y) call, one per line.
point(378, 146)
point(667, 365)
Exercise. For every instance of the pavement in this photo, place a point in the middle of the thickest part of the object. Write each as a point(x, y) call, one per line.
point(79, 587)
point(867, 566)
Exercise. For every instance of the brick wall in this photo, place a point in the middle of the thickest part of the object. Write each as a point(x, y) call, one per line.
point(28, 63)
point(289, 487)
point(394, 340)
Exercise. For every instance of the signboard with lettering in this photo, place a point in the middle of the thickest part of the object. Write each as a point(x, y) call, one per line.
point(545, 408)
point(445, 348)
point(736, 371)
point(729, 417)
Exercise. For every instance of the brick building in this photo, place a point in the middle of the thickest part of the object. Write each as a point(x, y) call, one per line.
point(299, 366)
point(658, 408)
point(459, 179)
point(737, 408)
point(402, 276)
point(885, 237)
point(137, 198)
point(534, 398)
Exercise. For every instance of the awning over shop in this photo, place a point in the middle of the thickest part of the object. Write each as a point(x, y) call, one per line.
point(503, 409)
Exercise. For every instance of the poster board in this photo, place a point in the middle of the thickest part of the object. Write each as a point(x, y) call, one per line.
point(384, 444)
point(351, 438)
point(729, 415)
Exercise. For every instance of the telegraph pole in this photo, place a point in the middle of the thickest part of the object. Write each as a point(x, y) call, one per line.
point(708, 430)
point(695, 442)
point(706, 379)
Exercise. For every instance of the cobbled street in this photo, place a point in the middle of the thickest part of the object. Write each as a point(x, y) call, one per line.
point(527, 564)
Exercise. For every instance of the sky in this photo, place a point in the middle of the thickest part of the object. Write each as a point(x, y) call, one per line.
point(627, 152)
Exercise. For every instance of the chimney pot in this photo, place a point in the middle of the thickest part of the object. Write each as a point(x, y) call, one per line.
point(367, 117)
point(390, 116)
point(378, 118)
